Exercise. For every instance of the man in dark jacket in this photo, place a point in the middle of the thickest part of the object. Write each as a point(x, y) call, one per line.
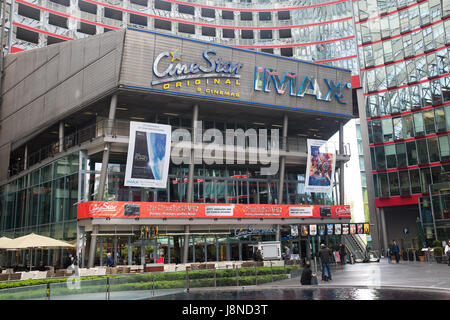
point(325, 258)
point(109, 260)
point(306, 274)
point(342, 253)
point(257, 256)
point(396, 251)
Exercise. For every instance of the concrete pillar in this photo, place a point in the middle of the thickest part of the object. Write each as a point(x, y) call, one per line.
point(383, 228)
point(143, 252)
point(278, 235)
point(105, 159)
point(115, 251)
point(341, 167)
point(61, 137)
point(283, 160)
point(186, 244)
point(25, 158)
point(93, 246)
point(101, 251)
point(191, 164)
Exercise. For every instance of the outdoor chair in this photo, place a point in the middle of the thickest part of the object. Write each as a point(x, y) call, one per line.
point(210, 265)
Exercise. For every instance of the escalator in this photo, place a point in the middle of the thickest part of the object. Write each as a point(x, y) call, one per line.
point(357, 249)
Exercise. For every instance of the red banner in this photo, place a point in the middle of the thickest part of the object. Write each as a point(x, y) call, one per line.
point(118, 209)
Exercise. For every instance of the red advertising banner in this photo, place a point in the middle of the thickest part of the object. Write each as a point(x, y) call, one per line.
point(118, 209)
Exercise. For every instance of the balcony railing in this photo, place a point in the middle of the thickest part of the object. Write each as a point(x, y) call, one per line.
point(121, 128)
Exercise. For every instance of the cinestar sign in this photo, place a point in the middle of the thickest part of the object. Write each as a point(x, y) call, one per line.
point(266, 77)
point(168, 67)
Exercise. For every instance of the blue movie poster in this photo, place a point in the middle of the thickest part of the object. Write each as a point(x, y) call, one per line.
point(320, 167)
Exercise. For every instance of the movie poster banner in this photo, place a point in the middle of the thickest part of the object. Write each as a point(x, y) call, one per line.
point(121, 209)
point(320, 167)
point(148, 155)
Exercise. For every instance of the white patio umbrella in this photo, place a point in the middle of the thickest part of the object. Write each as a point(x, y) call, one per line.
point(4, 241)
point(31, 241)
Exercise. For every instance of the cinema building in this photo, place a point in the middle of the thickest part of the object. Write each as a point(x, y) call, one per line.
point(64, 137)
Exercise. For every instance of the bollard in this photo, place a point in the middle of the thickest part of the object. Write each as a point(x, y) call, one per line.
point(107, 289)
point(271, 272)
point(215, 281)
point(237, 276)
point(187, 279)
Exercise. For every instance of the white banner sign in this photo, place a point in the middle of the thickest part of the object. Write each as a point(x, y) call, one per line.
point(148, 155)
point(300, 211)
point(320, 167)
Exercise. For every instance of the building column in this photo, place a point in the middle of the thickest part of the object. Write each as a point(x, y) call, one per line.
point(130, 251)
point(283, 160)
point(341, 166)
point(25, 158)
point(191, 163)
point(105, 159)
point(383, 228)
point(115, 250)
point(61, 137)
point(278, 234)
point(186, 244)
point(93, 246)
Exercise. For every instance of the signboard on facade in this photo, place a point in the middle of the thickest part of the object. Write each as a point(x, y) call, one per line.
point(119, 209)
point(320, 167)
point(148, 155)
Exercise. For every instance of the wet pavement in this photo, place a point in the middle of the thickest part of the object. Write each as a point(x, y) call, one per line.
point(363, 281)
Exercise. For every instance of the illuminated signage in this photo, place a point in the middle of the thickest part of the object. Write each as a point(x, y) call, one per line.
point(213, 76)
point(265, 77)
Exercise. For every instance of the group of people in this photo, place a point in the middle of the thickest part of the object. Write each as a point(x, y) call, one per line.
point(325, 255)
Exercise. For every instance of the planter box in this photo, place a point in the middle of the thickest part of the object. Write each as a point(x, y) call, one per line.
point(154, 269)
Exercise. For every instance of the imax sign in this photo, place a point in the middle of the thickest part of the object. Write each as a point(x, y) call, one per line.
point(266, 77)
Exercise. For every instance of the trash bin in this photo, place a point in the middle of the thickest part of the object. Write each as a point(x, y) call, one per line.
point(405, 256)
point(411, 255)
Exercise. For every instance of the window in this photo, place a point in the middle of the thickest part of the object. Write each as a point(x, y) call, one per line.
point(386, 125)
point(87, 28)
point(58, 21)
point(27, 35)
point(404, 182)
point(209, 32)
point(391, 160)
point(113, 14)
point(29, 12)
point(415, 181)
point(87, 7)
point(398, 128)
point(265, 16)
point(227, 15)
point(228, 33)
point(247, 34)
point(267, 50)
point(137, 19)
point(62, 2)
point(408, 130)
point(433, 149)
point(382, 185)
point(246, 16)
point(428, 117)
point(377, 132)
point(411, 152)
point(285, 33)
point(444, 147)
point(418, 124)
point(265, 34)
point(286, 52)
point(400, 150)
point(380, 159)
point(208, 13)
point(422, 151)
point(186, 28)
point(439, 117)
point(186, 9)
point(284, 15)
point(143, 3)
point(163, 24)
point(53, 40)
point(163, 5)
point(425, 178)
point(393, 184)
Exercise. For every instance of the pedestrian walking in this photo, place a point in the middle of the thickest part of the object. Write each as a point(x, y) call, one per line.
point(257, 256)
point(307, 274)
point(396, 251)
point(109, 260)
point(287, 253)
point(325, 257)
point(447, 251)
point(342, 253)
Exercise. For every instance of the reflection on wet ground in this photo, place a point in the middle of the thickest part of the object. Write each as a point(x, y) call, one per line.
point(312, 294)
